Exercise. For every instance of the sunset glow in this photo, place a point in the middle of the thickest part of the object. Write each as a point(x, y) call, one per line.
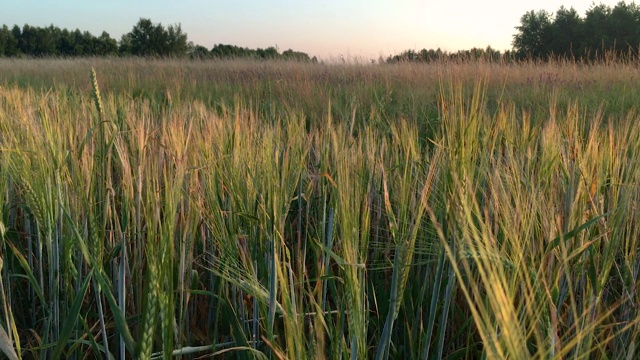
point(325, 29)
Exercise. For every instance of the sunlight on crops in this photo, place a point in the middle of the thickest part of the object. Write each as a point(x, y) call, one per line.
point(153, 209)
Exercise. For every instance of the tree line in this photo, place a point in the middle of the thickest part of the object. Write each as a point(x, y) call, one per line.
point(604, 33)
point(474, 54)
point(146, 39)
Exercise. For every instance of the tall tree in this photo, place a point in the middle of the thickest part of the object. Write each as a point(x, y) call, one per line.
point(105, 45)
point(231, 51)
point(66, 45)
point(149, 39)
point(27, 40)
point(566, 33)
point(197, 51)
point(268, 53)
point(624, 27)
point(144, 39)
point(176, 41)
point(8, 43)
point(46, 41)
point(534, 35)
point(597, 30)
point(295, 55)
point(125, 47)
point(602, 32)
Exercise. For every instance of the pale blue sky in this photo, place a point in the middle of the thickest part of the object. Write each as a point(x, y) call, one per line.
point(330, 28)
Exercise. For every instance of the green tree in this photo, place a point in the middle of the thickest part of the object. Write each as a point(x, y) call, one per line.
point(268, 53)
point(105, 45)
point(66, 45)
point(566, 33)
point(125, 47)
point(176, 41)
point(295, 55)
point(149, 39)
point(46, 41)
point(27, 40)
point(80, 45)
point(534, 35)
point(225, 51)
point(144, 39)
point(17, 34)
point(603, 32)
point(597, 34)
point(8, 43)
point(198, 51)
point(624, 27)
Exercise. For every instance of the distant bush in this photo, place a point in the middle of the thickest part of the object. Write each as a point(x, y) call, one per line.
point(475, 54)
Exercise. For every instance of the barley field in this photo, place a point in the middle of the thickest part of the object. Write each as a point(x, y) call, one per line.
point(277, 210)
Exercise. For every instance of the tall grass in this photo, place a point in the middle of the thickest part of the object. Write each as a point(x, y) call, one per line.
point(282, 210)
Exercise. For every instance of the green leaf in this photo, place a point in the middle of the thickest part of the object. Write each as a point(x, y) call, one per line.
point(72, 317)
point(121, 323)
point(571, 234)
point(28, 273)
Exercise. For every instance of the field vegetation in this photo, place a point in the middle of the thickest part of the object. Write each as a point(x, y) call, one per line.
point(283, 210)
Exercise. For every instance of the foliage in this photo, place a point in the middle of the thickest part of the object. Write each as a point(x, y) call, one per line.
point(428, 56)
point(8, 43)
point(534, 35)
point(53, 41)
point(149, 39)
point(566, 34)
point(146, 39)
point(604, 33)
point(222, 51)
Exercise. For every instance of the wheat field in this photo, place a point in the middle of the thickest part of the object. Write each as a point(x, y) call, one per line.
point(278, 210)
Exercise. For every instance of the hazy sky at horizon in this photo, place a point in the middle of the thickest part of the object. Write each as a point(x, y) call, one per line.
point(331, 28)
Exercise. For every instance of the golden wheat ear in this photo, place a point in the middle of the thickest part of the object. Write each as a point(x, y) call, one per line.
point(95, 92)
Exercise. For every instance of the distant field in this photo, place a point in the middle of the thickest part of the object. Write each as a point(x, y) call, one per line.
point(288, 210)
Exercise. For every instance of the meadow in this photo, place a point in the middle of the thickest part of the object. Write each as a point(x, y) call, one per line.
point(280, 210)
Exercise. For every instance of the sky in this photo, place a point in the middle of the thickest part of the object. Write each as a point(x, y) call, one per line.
point(326, 29)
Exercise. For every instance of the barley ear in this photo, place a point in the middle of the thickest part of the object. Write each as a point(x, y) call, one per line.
point(149, 316)
point(96, 92)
